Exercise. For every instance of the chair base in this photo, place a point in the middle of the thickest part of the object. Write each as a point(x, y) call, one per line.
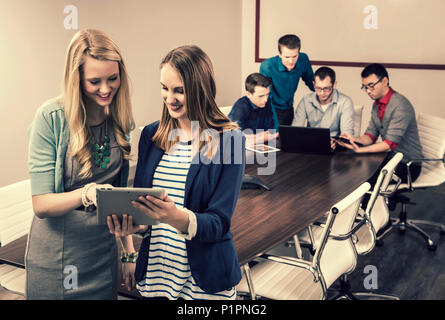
point(345, 293)
point(371, 296)
point(402, 223)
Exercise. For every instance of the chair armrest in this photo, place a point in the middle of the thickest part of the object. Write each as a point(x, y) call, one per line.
point(349, 234)
point(293, 262)
point(420, 160)
point(360, 222)
point(299, 263)
point(398, 181)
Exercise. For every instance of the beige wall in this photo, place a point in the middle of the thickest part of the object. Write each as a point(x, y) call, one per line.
point(354, 30)
point(422, 87)
point(34, 42)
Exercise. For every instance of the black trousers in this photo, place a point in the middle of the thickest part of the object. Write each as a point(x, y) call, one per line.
point(285, 116)
point(401, 171)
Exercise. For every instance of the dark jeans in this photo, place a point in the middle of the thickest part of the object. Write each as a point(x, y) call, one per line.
point(401, 171)
point(285, 116)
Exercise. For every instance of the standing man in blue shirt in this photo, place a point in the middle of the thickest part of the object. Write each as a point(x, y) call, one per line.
point(327, 107)
point(285, 70)
point(254, 110)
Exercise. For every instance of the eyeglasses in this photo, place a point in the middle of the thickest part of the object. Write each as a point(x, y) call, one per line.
point(325, 89)
point(370, 86)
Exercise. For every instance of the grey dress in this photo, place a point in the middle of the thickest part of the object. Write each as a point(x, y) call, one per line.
point(72, 257)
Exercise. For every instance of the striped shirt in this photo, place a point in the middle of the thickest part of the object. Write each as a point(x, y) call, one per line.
point(168, 271)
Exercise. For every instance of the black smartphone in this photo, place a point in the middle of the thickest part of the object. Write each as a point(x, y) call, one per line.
point(347, 141)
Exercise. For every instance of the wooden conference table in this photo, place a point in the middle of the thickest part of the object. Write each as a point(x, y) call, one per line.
point(304, 187)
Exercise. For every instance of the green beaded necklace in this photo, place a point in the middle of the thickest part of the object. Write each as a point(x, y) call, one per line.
point(101, 152)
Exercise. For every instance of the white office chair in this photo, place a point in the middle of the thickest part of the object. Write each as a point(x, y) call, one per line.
point(5, 269)
point(358, 110)
point(369, 222)
point(373, 219)
point(376, 214)
point(297, 240)
point(432, 139)
point(16, 211)
point(288, 278)
point(226, 110)
point(13, 279)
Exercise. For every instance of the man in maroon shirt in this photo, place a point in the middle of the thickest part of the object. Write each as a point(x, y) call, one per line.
point(392, 118)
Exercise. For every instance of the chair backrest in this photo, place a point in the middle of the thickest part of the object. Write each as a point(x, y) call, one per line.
point(432, 139)
point(226, 110)
point(376, 214)
point(16, 211)
point(377, 210)
point(358, 110)
point(13, 279)
point(337, 256)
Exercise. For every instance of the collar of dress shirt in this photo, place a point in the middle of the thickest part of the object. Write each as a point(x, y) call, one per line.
point(282, 68)
point(383, 103)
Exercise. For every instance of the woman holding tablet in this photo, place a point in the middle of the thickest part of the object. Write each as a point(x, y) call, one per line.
point(197, 155)
point(78, 141)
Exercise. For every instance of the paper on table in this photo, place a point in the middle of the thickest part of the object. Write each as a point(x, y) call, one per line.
point(262, 148)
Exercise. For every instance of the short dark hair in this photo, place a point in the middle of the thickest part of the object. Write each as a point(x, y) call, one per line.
point(257, 79)
point(324, 72)
point(290, 41)
point(375, 68)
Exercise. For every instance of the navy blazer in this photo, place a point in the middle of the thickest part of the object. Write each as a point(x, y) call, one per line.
point(211, 192)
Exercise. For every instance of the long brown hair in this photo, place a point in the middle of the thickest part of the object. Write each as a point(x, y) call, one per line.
point(196, 71)
point(98, 45)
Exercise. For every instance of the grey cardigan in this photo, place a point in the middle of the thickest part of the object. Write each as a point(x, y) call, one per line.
point(398, 125)
point(49, 136)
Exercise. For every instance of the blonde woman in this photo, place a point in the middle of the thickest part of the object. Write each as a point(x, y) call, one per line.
point(196, 154)
point(78, 142)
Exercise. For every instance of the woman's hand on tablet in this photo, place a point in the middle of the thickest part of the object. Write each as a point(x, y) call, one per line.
point(91, 192)
point(164, 210)
point(125, 228)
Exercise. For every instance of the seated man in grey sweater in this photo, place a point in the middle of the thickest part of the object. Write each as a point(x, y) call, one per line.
point(392, 118)
point(326, 107)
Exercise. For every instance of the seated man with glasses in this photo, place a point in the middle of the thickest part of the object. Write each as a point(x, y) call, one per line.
point(392, 118)
point(326, 107)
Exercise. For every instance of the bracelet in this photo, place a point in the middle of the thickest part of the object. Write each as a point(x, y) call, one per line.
point(129, 258)
point(142, 235)
point(86, 203)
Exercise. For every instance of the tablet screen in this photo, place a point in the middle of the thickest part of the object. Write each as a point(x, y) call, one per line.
point(118, 201)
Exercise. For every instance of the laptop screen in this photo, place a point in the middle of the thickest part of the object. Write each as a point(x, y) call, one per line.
point(305, 140)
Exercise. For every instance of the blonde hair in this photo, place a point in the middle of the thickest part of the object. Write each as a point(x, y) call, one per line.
point(196, 71)
point(99, 45)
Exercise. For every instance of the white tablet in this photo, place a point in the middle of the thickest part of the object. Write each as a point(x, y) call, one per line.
point(118, 201)
point(262, 148)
